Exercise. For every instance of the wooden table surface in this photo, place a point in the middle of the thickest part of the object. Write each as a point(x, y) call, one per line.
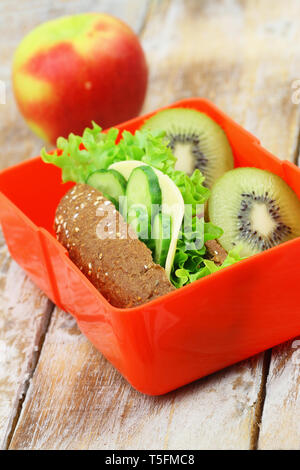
point(56, 390)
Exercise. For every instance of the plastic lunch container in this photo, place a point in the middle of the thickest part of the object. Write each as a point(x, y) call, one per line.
point(186, 334)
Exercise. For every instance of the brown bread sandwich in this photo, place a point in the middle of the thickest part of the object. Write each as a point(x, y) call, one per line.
point(135, 225)
point(107, 250)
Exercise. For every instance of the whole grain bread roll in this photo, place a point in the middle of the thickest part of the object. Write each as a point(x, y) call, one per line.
point(106, 249)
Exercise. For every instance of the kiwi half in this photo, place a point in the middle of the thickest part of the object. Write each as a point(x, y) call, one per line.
point(256, 209)
point(196, 141)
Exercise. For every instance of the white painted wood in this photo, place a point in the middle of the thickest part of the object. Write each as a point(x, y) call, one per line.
point(243, 56)
point(280, 427)
point(24, 310)
point(188, 418)
point(77, 400)
point(24, 313)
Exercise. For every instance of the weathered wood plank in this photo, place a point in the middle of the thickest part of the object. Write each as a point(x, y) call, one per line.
point(243, 55)
point(280, 427)
point(78, 401)
point(240, 54)
point(180, 66)
point(24, 310)
point(24, 315)
point(17, 18)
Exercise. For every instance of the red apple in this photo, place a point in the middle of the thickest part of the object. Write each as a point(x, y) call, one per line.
point(72, 70)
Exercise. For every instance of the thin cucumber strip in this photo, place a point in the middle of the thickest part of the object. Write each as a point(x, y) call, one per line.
point(172, 203)
point(138, 218)
point(161, 234)
point(143, 187)
point(143, 195)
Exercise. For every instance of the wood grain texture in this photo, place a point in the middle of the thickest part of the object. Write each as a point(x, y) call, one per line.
point(236, 391)
point(78, 401)
point(280, 427)
point(24, 314)
point(242, 55)
point(24, 310)
point(17, 19)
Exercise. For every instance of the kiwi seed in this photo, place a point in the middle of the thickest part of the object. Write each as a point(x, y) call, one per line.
point(262, 242)
point(200, 161)
point(256, 209)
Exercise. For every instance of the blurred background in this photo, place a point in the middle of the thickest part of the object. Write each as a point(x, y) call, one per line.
point(241, 54)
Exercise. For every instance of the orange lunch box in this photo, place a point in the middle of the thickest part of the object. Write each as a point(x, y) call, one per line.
point(184, 335)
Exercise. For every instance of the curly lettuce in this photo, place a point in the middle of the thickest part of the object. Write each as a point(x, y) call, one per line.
point(189, 266)
point(79, 156)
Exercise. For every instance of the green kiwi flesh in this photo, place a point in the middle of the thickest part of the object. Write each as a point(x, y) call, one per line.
point(196, 141)
point(256, 209)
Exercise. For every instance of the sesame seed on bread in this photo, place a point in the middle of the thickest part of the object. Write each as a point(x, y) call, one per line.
point(107, 250)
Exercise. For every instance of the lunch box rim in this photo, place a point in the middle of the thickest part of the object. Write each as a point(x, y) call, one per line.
point(144, 339)
point(188, 102)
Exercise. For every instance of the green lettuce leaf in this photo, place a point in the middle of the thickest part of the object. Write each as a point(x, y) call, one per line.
point(78, 156)
point(191, 265)
point(191, 187)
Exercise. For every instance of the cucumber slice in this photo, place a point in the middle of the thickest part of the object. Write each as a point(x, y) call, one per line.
point(162, 235)
point(138, 218)
point(143, 193)
point(126, 167)
point(172, 202)
point(110, 182)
